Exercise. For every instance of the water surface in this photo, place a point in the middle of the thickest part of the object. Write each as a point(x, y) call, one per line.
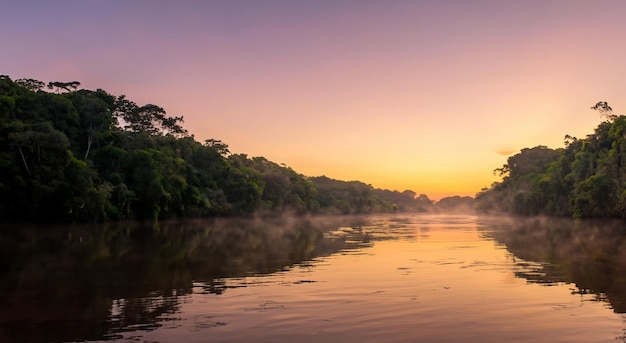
point(396, 278)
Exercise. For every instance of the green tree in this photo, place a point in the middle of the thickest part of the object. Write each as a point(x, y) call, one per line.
point(31, 84)
point(146, 182)
point(96, 121)
point(66, 86)
point(149, 118)
point(585, 179)
point(595, 197)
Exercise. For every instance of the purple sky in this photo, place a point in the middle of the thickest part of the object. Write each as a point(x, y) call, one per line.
point(421, 95)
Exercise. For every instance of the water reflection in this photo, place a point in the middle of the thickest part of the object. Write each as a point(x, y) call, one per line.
point(80, 283)
point(374, 277)
point(589, 254)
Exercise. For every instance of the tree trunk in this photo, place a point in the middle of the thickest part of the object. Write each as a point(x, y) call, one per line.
point(23, 158)
point(89, 142)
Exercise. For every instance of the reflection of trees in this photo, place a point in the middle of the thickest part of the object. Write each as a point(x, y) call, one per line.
point(590, 254)
point(88, 283)
point(140, 313)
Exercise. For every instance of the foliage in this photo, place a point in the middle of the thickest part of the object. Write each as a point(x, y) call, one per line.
point(456, 204)
point(406, 201)
point(584, 179)
point(353, 197)
point(73, 154)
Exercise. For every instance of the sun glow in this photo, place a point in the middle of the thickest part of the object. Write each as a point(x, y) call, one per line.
point(411, 96)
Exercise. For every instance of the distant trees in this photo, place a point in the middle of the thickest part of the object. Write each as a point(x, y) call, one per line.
point(30, 84)
point(406, 201)
point(218, 146)
point(283, 188)
point(353, 197)
point(456, 203)
point(604, 109)
point(82, 155)
point(66, 86)
point(150, 119)
point(584, 179)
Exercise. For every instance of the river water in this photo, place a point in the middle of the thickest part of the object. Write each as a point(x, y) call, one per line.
point(391, 278)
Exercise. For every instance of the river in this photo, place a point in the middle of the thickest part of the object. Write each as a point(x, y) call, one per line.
point(386, 278)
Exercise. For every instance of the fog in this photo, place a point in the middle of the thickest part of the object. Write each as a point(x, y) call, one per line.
point(590, 254)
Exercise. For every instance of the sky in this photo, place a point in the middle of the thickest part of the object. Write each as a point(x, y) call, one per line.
point(429, 96)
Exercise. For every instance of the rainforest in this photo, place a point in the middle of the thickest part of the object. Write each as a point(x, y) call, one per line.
point(119, 225)
point(584, 179)
point(77, 155)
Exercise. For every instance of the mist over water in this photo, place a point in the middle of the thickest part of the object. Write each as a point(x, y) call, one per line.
point(590, 254)
point(391, 278)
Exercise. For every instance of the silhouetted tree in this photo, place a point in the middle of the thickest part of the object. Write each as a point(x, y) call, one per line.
point(30, 84)
point(67, 86)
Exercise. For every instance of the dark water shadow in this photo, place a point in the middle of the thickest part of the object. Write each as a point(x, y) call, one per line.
point(82, 283)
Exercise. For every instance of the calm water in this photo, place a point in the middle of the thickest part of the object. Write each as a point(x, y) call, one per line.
point(401, 278)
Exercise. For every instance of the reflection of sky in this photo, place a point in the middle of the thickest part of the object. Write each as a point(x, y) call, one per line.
point(453, 285)
point(424, 95)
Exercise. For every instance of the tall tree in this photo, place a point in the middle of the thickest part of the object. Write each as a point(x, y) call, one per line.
point(66, 86)
point(31, 84)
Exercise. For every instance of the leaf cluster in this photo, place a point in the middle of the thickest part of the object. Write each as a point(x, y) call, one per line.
point(585, 179)
point(82, 155)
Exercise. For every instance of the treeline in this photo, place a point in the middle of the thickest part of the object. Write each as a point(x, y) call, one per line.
point(69, 154)
point(583, 180)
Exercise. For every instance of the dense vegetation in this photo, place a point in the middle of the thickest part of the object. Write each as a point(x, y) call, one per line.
point(585, 179)
point(69, 154)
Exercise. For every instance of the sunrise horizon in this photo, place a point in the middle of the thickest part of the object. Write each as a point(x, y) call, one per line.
point(423, 96)
point(313, 171)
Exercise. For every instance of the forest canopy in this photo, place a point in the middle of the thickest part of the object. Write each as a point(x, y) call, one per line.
point(584, 179)
point(77, 155)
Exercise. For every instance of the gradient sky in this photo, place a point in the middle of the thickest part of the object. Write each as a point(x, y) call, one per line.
point(423, 95)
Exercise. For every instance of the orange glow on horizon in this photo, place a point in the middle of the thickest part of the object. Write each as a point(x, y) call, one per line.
point(429, 97)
